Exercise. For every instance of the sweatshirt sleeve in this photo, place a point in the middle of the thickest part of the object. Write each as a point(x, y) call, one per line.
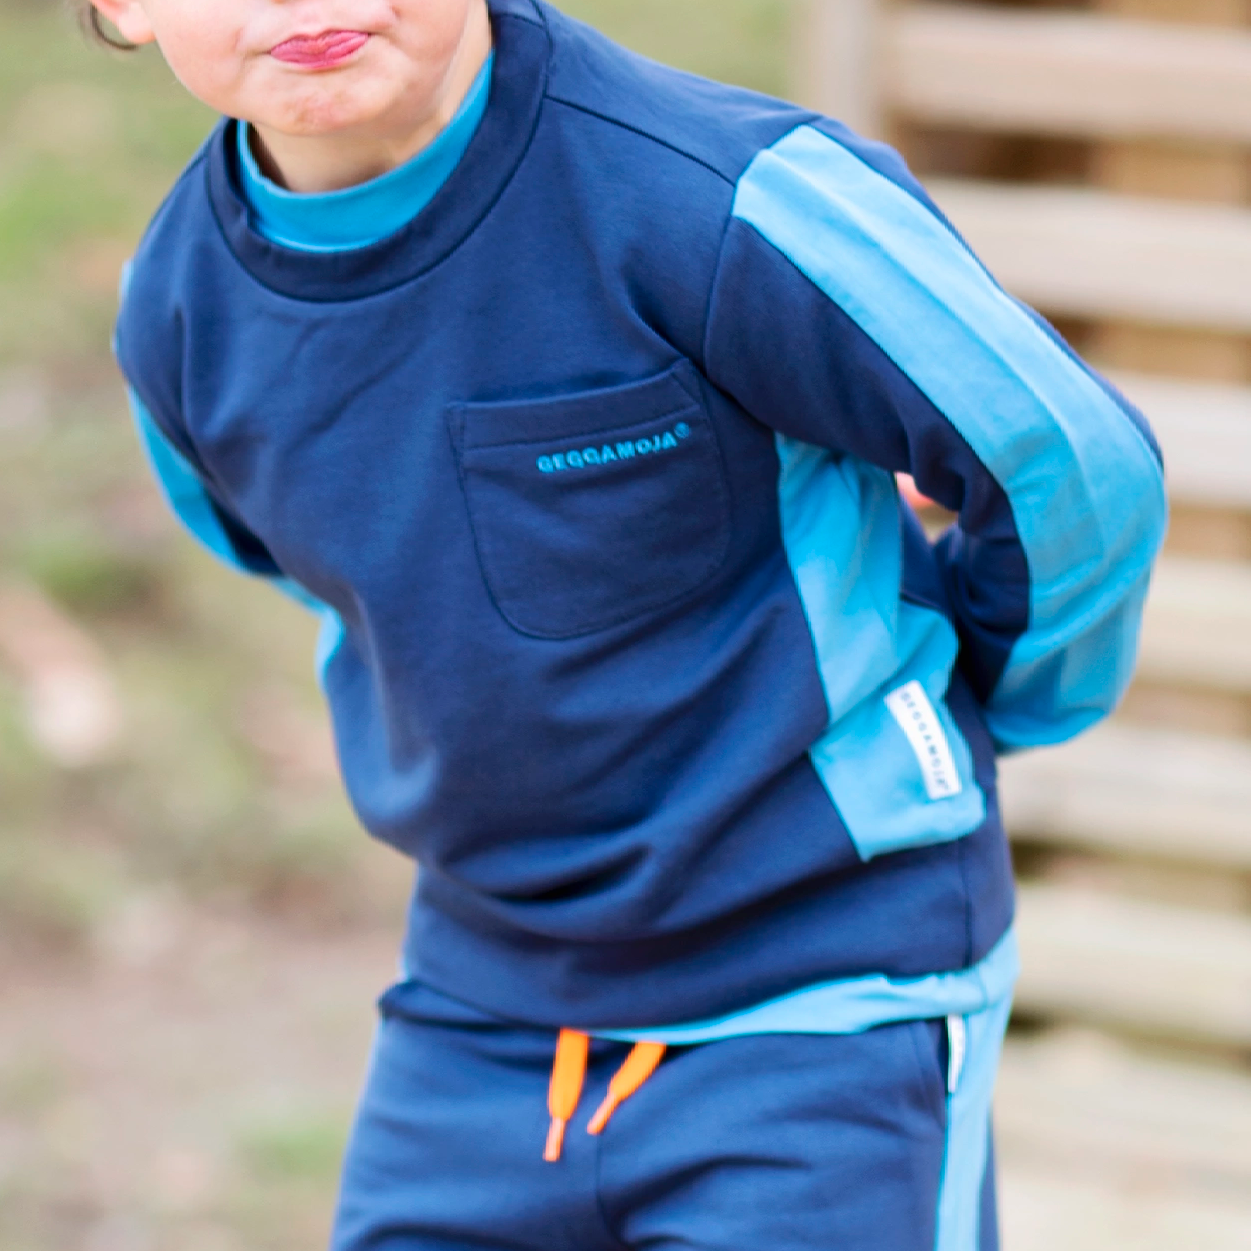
point(202, 514)
point(848, 315)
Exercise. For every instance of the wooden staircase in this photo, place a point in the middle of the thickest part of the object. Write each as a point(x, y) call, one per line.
point(1099, 161)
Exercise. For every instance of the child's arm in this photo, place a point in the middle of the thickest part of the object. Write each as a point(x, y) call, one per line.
point(847, 314)
point(194, 503)
point(203, 514)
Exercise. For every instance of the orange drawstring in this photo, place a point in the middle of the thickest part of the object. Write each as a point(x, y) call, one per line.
point(639, 1065)
point(565, 1089)
point(568, 1073)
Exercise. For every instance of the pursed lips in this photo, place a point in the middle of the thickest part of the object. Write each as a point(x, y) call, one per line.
point(323, 50)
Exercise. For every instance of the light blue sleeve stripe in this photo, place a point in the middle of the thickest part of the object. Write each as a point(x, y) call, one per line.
point(855, 1004)
point(1085, 489)
point(190, 503)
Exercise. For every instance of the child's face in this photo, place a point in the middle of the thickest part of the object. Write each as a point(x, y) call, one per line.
point(378, 61)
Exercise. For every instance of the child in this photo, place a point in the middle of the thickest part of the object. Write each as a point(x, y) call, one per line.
point(571, 390)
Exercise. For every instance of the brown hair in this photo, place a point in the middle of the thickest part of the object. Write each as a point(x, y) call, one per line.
point(93, 24)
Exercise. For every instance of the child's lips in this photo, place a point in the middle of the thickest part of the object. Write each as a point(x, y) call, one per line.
point(321, 51)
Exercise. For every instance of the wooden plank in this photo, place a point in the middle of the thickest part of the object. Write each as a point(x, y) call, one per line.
point(1067, 74)
point(1086, 1101)
point(1143, 966)
point(1087, 253)
point(1175, 169)
point(1198, 625)
point(838, 61)
point(1208, 532)
point(1197, 710)
point(1170, 351)
point(1205, 431)
point(1172, 169)
point(1103, 1146)
point(1223, 13)
point(1045, 1209)
point(1137, 791)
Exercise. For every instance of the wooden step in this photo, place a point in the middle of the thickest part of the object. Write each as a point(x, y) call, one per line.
point(1086, 253)
point(1046, 1209)
point(1197, 628)
point(1205, 432)
point(1066, 73)
point(1101, 1147)
point(1085, 1101)
point(1136, 791)
point(1094, 956)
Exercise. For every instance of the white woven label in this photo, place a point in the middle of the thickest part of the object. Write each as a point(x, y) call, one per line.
point(911, 707)
point(957, 1046)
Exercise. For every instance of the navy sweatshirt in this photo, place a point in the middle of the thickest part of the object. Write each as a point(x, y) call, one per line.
point(631, 643)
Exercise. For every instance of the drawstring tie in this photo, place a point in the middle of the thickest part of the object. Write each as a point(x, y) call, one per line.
point(568, 1073)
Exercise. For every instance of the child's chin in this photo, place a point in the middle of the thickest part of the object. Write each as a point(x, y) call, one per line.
point(326, 110)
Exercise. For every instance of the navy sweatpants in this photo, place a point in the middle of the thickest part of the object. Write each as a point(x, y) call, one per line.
point(777, 1141)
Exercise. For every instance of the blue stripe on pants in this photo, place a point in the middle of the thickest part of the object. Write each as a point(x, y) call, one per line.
point(966, 1214)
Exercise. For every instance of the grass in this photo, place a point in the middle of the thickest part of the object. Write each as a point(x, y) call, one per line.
point(286, 1177)
point(302, 1147)
point(739, 41)
point(87, 148)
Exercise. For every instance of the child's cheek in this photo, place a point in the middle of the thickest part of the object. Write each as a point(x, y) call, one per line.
point(203, 58)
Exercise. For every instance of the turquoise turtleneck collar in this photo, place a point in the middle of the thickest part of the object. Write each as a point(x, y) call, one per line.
point(355, 217)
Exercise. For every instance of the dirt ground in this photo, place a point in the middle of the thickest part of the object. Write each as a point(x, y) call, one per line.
point(188, 1088)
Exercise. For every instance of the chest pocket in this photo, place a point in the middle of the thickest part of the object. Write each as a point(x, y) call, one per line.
point(596, 508)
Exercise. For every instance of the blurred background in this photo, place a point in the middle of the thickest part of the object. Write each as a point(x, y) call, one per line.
point(192, 929)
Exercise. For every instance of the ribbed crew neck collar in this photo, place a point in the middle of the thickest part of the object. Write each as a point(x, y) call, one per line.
point(517, 83)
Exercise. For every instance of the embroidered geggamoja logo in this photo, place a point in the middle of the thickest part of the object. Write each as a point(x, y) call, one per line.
point(607, 453)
